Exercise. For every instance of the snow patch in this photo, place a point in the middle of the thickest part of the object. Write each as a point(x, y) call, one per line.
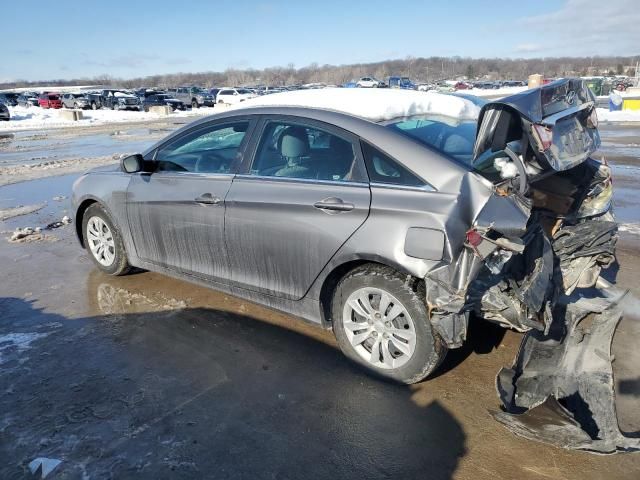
point(372, 103)
point(605, 115)
point(632, 228)
point(36, 118)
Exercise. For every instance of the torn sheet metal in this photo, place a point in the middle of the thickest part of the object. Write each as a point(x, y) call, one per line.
point(584, 249)
point(560, 390)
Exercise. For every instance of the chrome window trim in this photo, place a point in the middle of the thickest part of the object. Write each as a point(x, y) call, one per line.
point(166, 173)
point(393, 186)
point(302, 180)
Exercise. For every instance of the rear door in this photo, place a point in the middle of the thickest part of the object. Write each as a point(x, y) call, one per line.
point(304, 193)
point(176, 211)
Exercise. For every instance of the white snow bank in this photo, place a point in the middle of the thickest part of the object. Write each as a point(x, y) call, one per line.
point(605, 115)
point(372, 103)
point(35, 118)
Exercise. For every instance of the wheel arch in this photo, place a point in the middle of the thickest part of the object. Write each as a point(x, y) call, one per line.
point(80, 211)
point(339, 271)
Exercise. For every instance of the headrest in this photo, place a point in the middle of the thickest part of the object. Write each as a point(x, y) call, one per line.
point(294, 142)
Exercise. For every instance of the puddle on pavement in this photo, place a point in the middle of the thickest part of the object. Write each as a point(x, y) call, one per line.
point(41, 191)
point(25, 148)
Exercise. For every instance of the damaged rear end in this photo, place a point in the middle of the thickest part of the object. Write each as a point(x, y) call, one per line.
point(534, 248)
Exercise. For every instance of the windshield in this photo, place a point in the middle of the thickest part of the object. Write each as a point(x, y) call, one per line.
point(450, 136)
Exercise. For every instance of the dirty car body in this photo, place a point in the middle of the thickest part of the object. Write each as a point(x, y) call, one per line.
point(502, 216)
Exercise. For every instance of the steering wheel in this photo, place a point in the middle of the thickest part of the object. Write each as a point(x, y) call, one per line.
point(205, 158)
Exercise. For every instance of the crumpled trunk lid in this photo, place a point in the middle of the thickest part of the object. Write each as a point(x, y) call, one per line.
point(551, 128)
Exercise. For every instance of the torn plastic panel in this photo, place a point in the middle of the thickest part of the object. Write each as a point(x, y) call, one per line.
point(560, 389)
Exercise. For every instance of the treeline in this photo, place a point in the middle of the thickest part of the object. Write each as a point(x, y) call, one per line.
point(418, 69)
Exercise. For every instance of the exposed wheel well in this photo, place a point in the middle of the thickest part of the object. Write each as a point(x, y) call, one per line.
point(330, 283)
point(79, 215)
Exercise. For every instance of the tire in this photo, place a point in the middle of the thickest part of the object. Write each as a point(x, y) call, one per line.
point(405, 346)
point(75, 105)
point(118, 264)
point(194, 104)
point(94, 106)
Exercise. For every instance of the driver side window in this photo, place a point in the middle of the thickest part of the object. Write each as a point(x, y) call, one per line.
point(208, 150)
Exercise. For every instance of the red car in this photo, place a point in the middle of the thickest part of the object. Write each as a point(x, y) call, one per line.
point(50, 100)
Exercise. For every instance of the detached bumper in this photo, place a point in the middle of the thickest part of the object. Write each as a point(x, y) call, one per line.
point(560, 389)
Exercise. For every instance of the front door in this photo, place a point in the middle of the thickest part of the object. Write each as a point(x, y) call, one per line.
point(303, 196)
point(176, 211)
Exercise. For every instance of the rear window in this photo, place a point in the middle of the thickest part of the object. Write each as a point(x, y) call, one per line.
point(451, 137)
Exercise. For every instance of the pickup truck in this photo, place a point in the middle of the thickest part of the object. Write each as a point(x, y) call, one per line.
point(114, 99)
point(401, 82)
point(194, 96)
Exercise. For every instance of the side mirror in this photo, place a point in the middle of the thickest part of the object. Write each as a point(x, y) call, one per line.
point(132, 163)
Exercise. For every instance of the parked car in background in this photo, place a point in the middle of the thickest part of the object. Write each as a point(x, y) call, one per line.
point(10, 99)
point(118, 100)
point(214, 93)
point(76, 100)
point(50, 100)
point(462, 86)
point(401, 82)
point(514, 83)
point(4, 112)
point(161, 99)
point(232, 96)
point(28, 99)
point(369, 82)
point(194, 96)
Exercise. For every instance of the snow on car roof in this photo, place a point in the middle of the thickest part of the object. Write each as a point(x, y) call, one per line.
point(375, 104)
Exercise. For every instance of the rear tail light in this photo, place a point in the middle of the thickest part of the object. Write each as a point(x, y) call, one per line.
point(474, 238)
point(544, 136)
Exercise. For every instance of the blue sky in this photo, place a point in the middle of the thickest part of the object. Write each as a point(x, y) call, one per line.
point(136, 38)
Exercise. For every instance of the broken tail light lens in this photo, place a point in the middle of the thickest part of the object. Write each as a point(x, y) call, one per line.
point(543, 136)
point(599, 203)
point(474, 238)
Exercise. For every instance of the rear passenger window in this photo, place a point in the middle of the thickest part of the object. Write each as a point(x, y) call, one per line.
point(300, 151)
point(383, 169)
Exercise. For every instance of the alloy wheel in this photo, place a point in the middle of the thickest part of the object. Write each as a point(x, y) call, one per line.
point(101, 242)
point(379, 328)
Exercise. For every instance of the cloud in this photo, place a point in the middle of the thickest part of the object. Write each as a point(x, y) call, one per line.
point(528, 48)
point(588, 27)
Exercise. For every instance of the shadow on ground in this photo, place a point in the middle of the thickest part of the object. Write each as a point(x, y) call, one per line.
point(202, 393)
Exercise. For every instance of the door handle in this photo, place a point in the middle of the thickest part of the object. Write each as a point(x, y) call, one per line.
point(334, 204)
point(208, 199)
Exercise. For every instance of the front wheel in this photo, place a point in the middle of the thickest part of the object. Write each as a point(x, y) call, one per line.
point(103, 241)
point(194, 104)
point(381, 322)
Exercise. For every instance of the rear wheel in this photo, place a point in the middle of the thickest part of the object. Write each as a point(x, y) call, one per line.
point(194, 104)
point(381, 322)
point(103, 241)
point(94, 106)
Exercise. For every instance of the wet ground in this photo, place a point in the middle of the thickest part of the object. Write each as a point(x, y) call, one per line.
point(148, 377)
